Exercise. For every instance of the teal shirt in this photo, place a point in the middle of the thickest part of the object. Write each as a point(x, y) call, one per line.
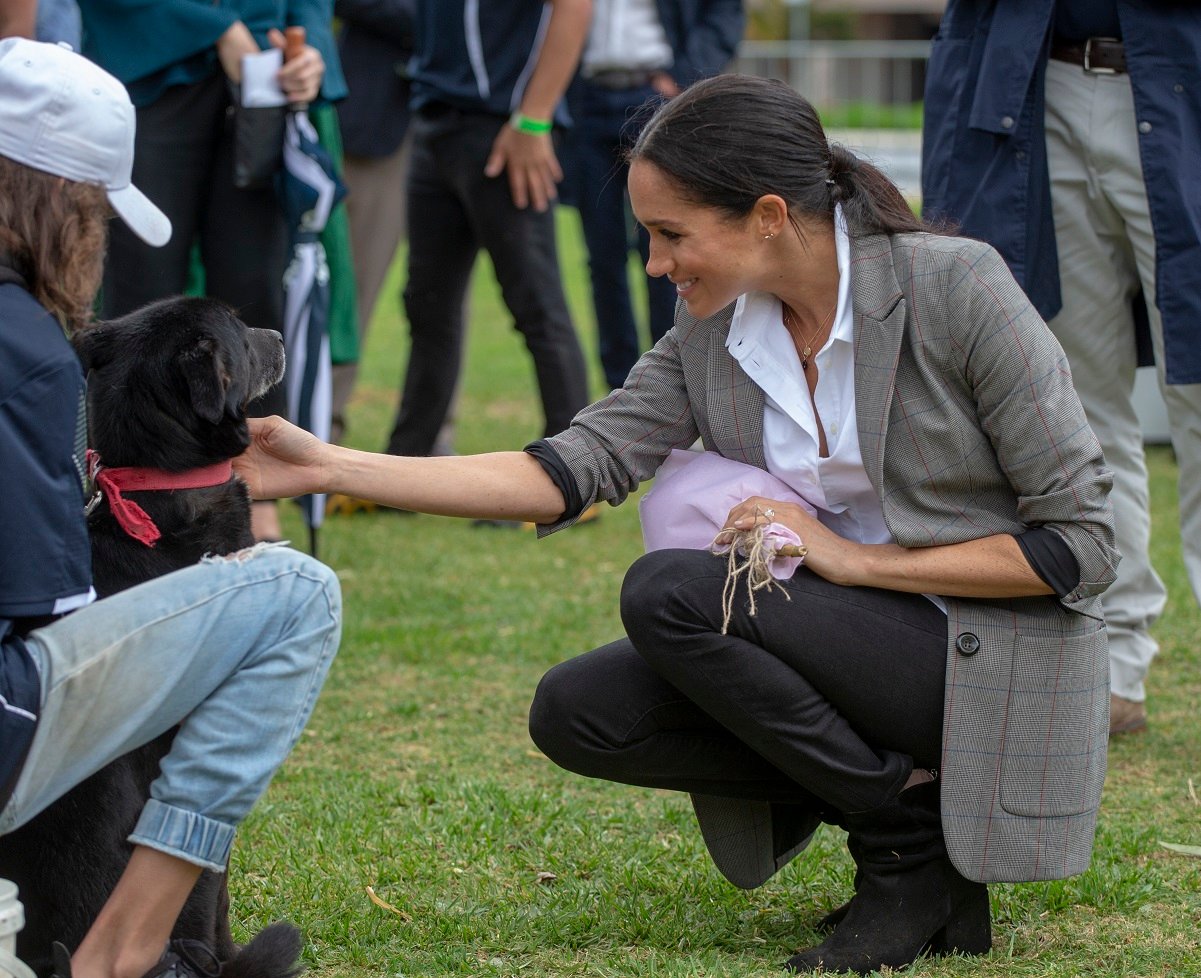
point(150, 45)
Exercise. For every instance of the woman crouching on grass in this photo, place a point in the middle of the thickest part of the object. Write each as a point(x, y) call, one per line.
point(934, 680)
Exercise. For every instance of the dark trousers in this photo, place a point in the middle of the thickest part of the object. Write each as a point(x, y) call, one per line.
point(453, 211)
point(834, 695)
point(607, 122)
point(183, 161)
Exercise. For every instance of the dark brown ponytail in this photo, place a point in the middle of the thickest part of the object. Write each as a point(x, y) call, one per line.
point(871, 203)
point(729, 140)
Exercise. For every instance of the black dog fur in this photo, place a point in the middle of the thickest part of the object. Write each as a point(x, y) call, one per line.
point(168, 388)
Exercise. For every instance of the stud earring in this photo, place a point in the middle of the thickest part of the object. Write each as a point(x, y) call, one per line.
point(769, 235)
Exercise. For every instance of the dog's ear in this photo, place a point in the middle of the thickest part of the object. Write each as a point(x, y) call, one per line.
point(95, 345)
point(207, 378)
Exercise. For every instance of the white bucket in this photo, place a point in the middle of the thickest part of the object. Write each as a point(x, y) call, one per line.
point(12, 919)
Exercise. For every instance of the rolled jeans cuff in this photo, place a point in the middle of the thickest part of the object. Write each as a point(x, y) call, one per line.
point(185, 835)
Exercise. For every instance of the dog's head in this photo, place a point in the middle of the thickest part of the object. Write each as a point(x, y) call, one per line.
point(168, 384)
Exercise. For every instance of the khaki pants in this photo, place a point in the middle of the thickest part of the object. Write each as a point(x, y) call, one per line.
point(375, 210)
point(1106, 253)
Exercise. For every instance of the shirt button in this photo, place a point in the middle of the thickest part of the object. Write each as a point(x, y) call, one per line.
point(1007, 122)
point(1178, 88)
point(1144, 127)
point(967, 643)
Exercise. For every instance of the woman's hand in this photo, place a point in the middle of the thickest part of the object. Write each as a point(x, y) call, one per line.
point(833, 557)
point(282, 460)
point(236, 42)
point(300, 77)
point(988, 567)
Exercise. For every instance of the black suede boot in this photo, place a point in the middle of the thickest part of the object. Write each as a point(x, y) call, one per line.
point(910, 898)
point(835, 916)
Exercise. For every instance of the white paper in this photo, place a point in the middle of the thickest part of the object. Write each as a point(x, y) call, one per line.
point(259, 86)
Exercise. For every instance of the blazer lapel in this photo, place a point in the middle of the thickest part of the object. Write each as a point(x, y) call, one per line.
point(735, 401)
point(880, 311)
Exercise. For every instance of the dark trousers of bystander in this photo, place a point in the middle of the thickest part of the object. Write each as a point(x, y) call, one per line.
point(454, 211)
point(607, 121)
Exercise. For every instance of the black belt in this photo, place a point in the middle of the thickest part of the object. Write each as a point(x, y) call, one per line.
point(1098, 55)
point(618, 79)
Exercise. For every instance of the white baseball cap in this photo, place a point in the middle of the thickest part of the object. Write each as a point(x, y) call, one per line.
point(64, 115)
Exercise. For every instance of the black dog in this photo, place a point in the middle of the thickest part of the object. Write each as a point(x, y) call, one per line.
point(168, 387)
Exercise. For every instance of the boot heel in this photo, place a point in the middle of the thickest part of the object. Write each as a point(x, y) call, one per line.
point(969, 929)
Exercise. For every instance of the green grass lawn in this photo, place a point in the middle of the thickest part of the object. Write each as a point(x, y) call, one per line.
point(417, 778)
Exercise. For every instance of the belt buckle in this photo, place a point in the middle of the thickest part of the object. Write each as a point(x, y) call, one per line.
point(1088, 54)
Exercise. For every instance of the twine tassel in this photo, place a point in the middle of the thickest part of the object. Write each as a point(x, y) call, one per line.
point(756, 567)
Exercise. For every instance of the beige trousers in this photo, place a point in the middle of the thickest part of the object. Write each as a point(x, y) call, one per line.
point(1106, 253)
point(375, 210)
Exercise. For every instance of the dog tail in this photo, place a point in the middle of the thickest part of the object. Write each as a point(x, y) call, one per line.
point(274, 952)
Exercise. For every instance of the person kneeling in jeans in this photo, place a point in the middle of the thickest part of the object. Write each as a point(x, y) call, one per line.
point(233, 651)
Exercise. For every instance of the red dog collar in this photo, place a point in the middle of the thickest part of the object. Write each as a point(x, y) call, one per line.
point(134, 520)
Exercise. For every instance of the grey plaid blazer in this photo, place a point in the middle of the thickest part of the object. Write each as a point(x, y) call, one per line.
point(968, 426)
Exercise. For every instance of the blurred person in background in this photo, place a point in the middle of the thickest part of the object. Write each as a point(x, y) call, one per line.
point(374, 48)
point(487, 82)
point(638, 51)
point(1067, 133)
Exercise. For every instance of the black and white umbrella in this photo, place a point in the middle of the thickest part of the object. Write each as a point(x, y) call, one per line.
point(309, 190)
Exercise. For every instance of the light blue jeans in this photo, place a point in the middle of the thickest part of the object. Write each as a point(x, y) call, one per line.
point(234, 649)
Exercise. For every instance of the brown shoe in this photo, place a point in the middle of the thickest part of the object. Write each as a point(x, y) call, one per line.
point(340, 504)
point(1126, 716)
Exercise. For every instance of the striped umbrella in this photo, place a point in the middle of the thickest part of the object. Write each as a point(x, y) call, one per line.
point(309, 189)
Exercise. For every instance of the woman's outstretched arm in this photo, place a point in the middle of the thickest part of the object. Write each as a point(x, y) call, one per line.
point(284, 460)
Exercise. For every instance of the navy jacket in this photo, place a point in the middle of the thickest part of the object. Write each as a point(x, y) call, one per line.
point(984, 162)
point(477, 55)
point(45, 558)
point(374, 47)
point(703, 35)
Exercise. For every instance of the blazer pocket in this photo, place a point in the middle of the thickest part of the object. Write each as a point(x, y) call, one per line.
point(1055, 736)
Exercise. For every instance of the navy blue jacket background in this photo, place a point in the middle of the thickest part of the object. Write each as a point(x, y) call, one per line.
point(374, 48)
point(45, 556)
point(703, 35)
point(984, 161)
point(475, 64)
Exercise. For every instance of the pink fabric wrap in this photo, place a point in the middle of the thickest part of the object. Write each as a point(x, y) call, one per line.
point(692, 495)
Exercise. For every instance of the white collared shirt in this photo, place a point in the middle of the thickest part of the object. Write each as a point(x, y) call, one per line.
point(625, 35)
point(838, 484)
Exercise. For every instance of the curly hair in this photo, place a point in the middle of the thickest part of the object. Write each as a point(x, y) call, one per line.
point(53, 233)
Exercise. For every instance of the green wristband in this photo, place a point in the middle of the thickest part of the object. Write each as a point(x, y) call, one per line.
point(531, 127)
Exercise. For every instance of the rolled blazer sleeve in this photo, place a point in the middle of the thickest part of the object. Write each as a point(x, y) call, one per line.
point(616, 443)
point(1029, 410)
